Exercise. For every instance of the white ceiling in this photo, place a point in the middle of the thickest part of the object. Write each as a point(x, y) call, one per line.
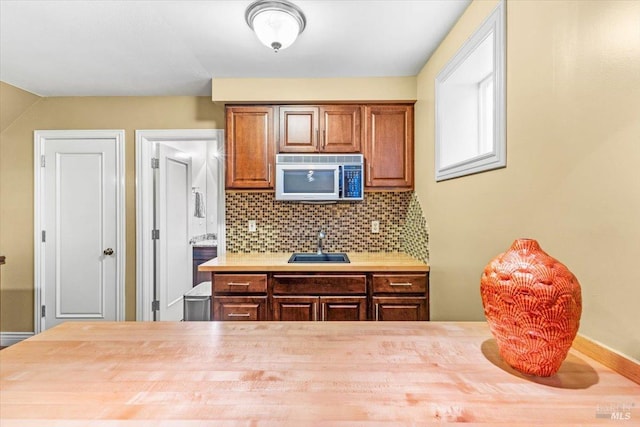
point(172, 47)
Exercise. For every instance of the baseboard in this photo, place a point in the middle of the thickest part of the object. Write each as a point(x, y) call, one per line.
point(10, 338)
point(608, 357)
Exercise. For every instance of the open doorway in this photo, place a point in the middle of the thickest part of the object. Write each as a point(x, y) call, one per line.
point(179, 206)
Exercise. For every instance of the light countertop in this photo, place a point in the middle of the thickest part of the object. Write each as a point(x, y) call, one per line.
point(360, 261)
point(205, 244)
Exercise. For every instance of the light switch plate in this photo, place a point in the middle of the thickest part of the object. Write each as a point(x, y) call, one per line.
point(252, 226)
point(375, 226)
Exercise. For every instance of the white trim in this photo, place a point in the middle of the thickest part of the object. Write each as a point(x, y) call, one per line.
point(39, 139)
point(10, 338)
point(144, 213)
point(495, 23)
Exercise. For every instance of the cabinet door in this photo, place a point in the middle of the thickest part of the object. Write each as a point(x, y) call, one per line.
point(298, 129)
point(295, 308)
point(400, 308)
point(250, 147)
point(389, 146)
point(340, 128)
point(239, 308)
point(343, 308)
point(202, 254)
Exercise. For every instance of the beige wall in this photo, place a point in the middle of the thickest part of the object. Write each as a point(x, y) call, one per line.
point(16, 178)
point(572, 179)
point(229, 90)
point(14, 101)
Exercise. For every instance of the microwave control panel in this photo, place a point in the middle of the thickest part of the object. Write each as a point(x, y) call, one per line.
point(352, 182)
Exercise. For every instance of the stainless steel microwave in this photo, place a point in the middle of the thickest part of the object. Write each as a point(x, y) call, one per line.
point(319, 177)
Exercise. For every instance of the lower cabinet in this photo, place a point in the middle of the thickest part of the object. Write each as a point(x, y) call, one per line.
point(231, 308)
point(400, 308)
point(202, 254)
point(319, 297)
point(326, 308)
point(400, 296)
point(239, 297)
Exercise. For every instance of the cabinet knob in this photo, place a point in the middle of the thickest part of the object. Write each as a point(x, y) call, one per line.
point(108, 251)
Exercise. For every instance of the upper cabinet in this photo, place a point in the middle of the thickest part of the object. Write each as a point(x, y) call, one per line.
point(250, 148)
point(382, 132)
point(320, 129)
point(388, 147)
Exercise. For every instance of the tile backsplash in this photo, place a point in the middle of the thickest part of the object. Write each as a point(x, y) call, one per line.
point(293, 227)
point(415, 235)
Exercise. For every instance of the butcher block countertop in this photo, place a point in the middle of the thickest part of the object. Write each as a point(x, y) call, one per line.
point(261, 262)
point(187, 374)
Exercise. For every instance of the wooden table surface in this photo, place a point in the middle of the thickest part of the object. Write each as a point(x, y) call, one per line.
point(294, 374)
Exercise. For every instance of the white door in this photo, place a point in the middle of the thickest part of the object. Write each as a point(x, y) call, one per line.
point(174, 274)
point(79, 203)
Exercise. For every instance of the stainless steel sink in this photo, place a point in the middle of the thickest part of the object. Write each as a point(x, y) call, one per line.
point(336, 257)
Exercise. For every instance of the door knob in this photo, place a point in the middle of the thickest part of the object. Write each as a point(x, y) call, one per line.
point(108, 251)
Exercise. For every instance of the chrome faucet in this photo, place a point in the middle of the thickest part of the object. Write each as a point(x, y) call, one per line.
point(321, 237)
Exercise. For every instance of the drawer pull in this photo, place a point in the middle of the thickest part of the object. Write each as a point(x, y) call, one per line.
point(377, 316)
point(238, 315)
point(400, 284)
point(238, 284)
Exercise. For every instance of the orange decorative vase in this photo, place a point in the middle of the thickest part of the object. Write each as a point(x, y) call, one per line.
point(533, 305)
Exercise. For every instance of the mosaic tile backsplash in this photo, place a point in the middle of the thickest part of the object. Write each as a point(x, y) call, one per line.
point(415, 234)
point(293, 227)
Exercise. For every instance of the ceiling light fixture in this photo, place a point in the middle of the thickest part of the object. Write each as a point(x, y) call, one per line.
point(277, 23)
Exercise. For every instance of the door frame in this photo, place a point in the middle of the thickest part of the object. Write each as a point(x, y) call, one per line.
point(144, 199)
point(40, 138)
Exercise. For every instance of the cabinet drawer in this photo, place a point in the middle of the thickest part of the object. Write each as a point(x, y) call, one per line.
point(319, 284)
point(400, 283)
point(240, 308)
point(240, 283)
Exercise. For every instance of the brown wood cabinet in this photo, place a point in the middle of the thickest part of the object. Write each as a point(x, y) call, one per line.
point(248, 308)
point(400, 308)
point(250, 148)
point(239, 297)
point(388, 150)
point(325, 308)
point(202, 254)
point(382, 132)
point(400, 296)
point(319, 297)
point(320, 129)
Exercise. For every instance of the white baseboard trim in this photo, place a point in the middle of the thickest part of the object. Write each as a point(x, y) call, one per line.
point(10, 338)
